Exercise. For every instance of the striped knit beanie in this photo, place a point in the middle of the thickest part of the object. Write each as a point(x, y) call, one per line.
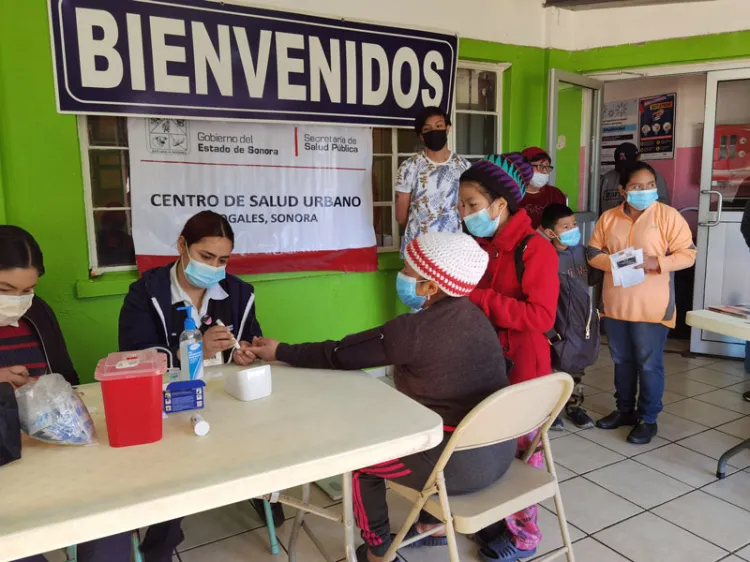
point(454, 261)
point(503, 175)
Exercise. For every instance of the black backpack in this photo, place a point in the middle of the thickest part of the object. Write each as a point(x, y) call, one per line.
point(575, 351)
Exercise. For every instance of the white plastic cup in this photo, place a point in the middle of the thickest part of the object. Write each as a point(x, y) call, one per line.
point(249, 384)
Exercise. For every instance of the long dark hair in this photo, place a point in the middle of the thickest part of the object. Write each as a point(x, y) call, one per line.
point(205, 224)
point(632, 169)
point(19, 250)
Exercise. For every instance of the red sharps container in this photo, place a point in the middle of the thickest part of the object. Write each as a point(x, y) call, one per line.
point(133, 400)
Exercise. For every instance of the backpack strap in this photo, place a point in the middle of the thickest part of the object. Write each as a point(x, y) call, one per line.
point(518, 257)
point(552, 336)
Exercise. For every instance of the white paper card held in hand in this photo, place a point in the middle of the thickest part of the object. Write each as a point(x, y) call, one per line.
point(626, 270)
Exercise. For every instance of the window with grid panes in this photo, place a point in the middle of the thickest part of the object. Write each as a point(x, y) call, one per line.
point(104, 152)
point(390, 148)
point(477, 122)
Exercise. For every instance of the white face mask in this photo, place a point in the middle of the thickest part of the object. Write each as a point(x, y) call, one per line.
point(539, 180)
point(13, 308)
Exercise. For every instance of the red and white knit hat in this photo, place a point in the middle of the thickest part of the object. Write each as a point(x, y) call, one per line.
point(455, 262)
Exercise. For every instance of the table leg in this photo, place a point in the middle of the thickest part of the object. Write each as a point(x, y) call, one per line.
point(297, 527)
point(721, 470)
point(348, 515)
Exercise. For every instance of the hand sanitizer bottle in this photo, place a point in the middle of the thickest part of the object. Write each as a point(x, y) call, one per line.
point(191, 349)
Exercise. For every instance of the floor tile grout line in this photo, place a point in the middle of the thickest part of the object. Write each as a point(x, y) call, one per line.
point(702, 489)
point(197, 546)
point(729, 552)
point(613, 450)
point(708, 404)
point(631, 501)
point(715, 479)
point(593, 538)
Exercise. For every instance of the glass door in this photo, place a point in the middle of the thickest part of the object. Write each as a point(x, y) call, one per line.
point(722, 270)
point(574, 140)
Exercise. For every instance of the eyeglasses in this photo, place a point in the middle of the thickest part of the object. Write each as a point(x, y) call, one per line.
point(542, 169)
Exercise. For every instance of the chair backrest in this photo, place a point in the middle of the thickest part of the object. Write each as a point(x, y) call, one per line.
point(514, 411)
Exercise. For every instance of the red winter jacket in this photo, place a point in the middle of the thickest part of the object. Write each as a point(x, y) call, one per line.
point(521, 315)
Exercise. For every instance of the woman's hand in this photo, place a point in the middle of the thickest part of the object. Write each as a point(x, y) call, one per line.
point(216, 339)
point(243, 356)
point(265, 348)
point(650, 264)
point(17, 375)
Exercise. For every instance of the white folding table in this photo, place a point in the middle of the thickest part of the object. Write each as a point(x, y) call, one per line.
point(316, 424)
point(727, 326)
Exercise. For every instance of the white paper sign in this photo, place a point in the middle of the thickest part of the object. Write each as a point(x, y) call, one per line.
point(285, 189)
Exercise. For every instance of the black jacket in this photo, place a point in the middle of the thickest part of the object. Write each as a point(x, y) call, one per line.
point(148, 318)
point(44, 322)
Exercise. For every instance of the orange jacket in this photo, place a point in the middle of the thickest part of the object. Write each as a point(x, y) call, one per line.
point(662, 232)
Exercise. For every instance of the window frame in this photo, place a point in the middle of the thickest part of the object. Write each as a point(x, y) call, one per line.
point(499, 70)
point(84, 143)
point(85, 146)
point(394, 156)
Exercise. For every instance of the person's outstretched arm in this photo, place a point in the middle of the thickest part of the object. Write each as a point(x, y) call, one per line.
point(391, 344)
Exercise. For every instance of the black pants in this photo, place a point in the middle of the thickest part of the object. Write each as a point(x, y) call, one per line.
point(162, 539)
point(466, 472)
point(115, 548)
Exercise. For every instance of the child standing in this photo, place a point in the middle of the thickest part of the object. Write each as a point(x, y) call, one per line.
point(575, 337)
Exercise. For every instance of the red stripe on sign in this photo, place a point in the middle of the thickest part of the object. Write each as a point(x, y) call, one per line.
point(338, 169)
point(296, 142)
point(350, 260)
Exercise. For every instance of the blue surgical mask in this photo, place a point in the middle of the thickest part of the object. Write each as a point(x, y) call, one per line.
point(571, 237)
point(202, 275)
point(642, 200)
point(481, 225)
point(406, 287)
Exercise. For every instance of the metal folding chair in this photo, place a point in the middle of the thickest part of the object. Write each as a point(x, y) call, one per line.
point(509, 413)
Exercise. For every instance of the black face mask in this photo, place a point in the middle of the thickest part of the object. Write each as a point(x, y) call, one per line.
point(435, 140)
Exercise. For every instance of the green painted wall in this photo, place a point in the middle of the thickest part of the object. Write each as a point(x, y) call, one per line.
point(524, 89)
point(41, 184)
point(705, 48)
point(41, 190)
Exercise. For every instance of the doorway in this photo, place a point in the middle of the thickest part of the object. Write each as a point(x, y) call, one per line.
point(708, 176)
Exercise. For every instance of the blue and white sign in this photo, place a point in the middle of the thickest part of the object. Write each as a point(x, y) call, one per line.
point(200, 59)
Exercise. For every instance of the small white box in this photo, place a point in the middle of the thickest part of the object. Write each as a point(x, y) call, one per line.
point(249, 384)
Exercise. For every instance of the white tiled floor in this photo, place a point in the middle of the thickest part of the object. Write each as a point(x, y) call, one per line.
point(655, 503)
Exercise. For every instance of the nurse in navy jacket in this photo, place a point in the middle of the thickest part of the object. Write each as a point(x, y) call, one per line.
point(150, 318)
point(150, 315)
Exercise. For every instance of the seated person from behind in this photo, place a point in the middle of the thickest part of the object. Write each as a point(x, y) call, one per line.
point(446, 357)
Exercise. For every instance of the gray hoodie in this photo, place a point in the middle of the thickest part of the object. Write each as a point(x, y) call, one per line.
point(577, 321)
